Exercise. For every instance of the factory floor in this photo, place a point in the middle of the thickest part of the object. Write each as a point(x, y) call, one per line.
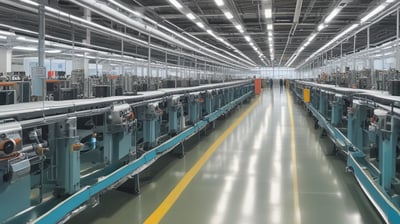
point(263, 164)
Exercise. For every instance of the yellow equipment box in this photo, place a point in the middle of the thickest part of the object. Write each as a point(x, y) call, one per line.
point(306, 95)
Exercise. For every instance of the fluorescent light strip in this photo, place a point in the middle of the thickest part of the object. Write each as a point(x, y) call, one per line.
point(352, 27)
point(30, 2)
point(363, 20)
point(268, 13)
point(349, 29)
point(176, 4)
point(219, 2)
point(321, 27)
point(190, 16)
point(21, 48)
point(237, 25)
point(199, 24)
point(332, 15)
point(6, 33)
point(62, 13)
point(3, 37)
point(27, 40)
point(228, 15)
point(373, 12)
point(53, 51)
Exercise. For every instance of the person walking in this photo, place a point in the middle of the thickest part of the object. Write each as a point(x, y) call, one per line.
point(281, 84)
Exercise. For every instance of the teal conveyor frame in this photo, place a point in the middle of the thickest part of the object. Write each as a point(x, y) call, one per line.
point(365, 173)
point(69, 205)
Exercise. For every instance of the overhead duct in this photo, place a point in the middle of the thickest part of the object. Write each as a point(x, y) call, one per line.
point(110, 32)
point(116, 16)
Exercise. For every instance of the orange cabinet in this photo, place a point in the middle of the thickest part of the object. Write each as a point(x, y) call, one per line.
point(257, 86)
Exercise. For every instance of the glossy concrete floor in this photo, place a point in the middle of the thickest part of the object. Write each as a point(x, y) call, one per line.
point(251, 178)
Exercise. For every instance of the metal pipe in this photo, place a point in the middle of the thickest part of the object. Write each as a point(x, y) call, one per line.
point(148, 61)
point(177, 39)
point(41, 33)
point(296, 18)
point(40, 76)
point(51, 12)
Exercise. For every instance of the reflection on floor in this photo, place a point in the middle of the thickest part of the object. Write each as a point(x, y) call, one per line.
point(249, 179)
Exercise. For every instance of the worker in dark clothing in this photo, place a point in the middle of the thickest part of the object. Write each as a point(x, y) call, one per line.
point(271, 83)
point(281, 84)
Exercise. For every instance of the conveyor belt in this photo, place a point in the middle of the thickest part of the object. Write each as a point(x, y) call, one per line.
point(31, 110)
point(381, 98)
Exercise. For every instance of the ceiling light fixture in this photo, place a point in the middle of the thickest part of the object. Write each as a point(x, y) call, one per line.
point(176, 4)
point(6, 33)
point(199, 24)
point(346, 31)
point(268, 13)
point(53, 51)
point(332, 15)
point(270, 27)
point(190, 16)
point(321, 27)
point(228, 15)
point(27, 40)
point(373, 12)
point(219, 2)
point(30, 2)
point(21, 48)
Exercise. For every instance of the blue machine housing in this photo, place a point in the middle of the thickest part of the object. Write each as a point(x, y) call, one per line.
point(364, 125)
point(67, 153)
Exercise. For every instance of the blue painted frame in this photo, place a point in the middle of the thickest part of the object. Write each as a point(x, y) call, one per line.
point(86, 193)
point(382, 202)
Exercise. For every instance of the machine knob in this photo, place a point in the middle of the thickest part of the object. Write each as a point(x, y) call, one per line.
point(8, 147)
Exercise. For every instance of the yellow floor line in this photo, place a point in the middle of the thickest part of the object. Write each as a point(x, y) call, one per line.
point(169, 201)
point(297, 216)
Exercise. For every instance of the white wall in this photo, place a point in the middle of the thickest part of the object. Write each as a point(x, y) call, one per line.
point(274, 73)
point(50, 64)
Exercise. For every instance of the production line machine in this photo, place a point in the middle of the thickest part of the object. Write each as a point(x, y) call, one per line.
point(58, 157)
point(364, 125)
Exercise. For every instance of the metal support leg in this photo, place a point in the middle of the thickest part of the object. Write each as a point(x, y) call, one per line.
point(136, 184)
